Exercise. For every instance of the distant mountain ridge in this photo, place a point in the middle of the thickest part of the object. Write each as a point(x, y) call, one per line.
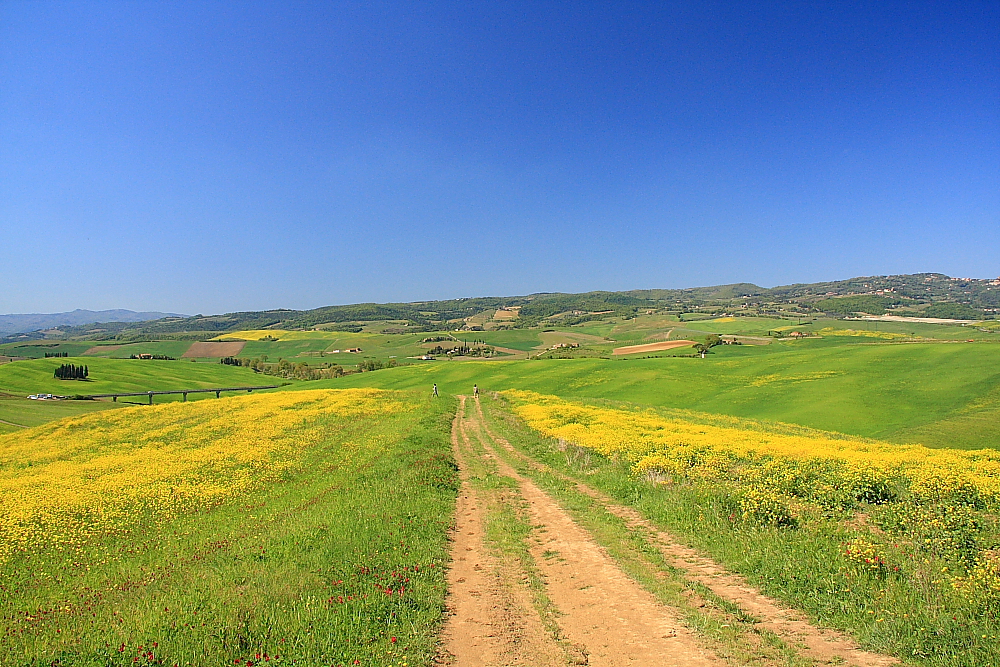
point(919, 294)
point(16, 323)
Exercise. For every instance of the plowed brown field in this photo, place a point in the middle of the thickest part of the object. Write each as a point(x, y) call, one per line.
point(653, 347)
point(212, 350)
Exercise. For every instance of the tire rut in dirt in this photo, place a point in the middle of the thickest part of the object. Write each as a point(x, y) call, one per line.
point(607, 615)
point(491, 620)
point(822, 645)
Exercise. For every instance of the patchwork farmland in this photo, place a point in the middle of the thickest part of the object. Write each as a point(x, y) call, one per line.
point(639, 486)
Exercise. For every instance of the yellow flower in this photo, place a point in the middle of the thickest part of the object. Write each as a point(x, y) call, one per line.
point(781, 457)
point(65, 482)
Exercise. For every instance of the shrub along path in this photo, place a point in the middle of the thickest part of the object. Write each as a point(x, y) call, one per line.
point(547, 568)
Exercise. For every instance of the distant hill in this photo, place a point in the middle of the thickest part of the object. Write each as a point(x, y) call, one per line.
point(27, 322)
point(913, 295)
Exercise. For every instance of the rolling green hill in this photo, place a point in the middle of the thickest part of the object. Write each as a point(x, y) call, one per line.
point(19, 379)
point(107, 375)
point(939, 394)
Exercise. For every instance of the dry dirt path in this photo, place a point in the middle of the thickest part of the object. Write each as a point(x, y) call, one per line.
point(602, 617)
point(814, 644)
point(491, 618)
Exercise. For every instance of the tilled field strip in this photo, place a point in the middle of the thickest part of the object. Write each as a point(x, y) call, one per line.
point(814, 644)
point(653, 347)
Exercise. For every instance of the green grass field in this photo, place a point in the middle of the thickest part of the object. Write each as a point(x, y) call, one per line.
point(859, 377)
point(901, 604)
point(16, 409)
point(300, 528)
point(21, 378)
point(169, 348)
point(308, 349)
point(939, 394)
point(39, 350)
point(107, 375)
point(274, 524)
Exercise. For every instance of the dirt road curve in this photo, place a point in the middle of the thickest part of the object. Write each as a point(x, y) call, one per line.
point(562, 599)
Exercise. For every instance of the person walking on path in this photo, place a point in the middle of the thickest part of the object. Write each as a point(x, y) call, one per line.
point(435, 389)
point(475, 390)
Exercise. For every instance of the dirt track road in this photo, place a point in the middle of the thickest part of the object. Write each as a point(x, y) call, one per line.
point(530, 584)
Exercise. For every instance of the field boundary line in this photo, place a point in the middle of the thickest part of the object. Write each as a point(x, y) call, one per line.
point(4, 421)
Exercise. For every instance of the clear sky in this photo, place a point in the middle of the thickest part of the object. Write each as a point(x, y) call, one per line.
point(208, 157)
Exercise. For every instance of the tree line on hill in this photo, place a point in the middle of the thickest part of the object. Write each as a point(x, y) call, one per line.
point(862, 303)
point(71, 372)
point(711, 340)
point(56, 354)
point(463, 351)
point(952, 311)
point(880, 305)
point(974, 298)
point(367, 365)
point(286, 369)
point(302, 371)
point(420, 316)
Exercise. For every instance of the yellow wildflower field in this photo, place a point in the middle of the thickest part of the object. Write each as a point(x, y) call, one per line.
point(776, 458)
point(863, 333)
point(66, 482)
point(280, 334)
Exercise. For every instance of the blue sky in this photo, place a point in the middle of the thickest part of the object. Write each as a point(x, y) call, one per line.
point(208, 157)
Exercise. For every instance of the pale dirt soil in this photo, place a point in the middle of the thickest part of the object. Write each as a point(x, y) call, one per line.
point(610, 615)
point(212, 350)
point(605, 618)
point(821, 645)
point(653, 347)
point(491, 619)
